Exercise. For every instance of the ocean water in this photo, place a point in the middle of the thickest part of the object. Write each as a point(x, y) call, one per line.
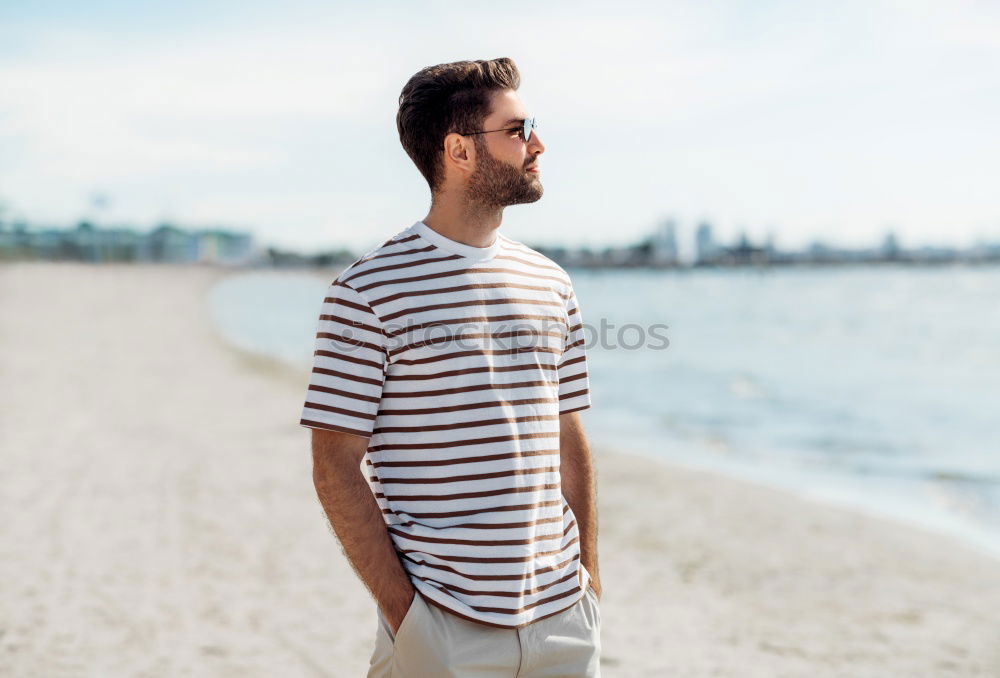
point(877, 388)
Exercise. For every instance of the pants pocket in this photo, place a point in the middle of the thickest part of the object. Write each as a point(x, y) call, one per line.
point(597, 603)
point(406, 618)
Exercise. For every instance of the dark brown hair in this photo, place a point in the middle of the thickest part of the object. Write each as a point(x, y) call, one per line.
point(447, 98)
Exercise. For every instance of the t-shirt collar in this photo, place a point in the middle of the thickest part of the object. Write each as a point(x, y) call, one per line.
point(449, 245)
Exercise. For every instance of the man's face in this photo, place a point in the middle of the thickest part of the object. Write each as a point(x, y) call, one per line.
point(501, 176)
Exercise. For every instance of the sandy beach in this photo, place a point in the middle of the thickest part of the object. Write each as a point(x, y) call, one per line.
point(160, 520)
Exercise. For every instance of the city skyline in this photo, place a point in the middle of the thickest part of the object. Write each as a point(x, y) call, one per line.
point(170, 242)
point(831, 123)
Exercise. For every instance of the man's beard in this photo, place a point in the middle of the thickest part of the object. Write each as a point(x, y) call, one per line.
point(496, 184)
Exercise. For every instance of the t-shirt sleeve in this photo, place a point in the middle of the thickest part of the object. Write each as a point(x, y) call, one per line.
point(574, 383)
point(348, 365)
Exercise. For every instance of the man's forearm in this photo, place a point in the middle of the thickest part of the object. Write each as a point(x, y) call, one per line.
point(579, 486)
point(357, 520)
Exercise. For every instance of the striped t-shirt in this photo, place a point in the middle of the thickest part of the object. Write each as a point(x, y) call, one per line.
point(457, 362)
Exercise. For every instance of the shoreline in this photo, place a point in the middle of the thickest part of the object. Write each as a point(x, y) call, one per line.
point(980, 543)
point(167, 523)
point(940, 523)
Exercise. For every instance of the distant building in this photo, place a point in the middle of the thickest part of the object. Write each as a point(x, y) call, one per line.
point(890, 249)
point(705, 247)
point(819, 252)
point(166, 243)
point(223, 247)
point(743, 253)
point(664, 244)
point(770, 248)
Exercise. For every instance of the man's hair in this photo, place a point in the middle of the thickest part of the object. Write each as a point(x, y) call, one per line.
point(447, 98)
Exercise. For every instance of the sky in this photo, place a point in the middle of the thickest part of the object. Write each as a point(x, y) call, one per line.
point(795, 120)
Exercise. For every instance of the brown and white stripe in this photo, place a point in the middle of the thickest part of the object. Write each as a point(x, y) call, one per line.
point(457, 361)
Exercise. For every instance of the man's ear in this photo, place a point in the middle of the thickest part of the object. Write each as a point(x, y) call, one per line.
point(459, 152)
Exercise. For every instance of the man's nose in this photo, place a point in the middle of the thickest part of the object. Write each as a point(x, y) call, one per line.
point(535, 145)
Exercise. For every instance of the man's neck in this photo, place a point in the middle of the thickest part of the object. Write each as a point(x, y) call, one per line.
point(469, 224)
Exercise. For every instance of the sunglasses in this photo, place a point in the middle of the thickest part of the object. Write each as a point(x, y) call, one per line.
point(525, 129)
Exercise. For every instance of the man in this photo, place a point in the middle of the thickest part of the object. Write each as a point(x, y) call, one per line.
point(450, 367)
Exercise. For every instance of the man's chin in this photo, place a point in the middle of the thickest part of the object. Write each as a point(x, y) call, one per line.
point(528, 196)
point(534, 190)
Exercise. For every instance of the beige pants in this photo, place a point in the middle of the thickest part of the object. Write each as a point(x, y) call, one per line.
point(433, 643)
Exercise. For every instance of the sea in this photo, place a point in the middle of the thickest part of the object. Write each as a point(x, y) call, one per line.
point(876, 388)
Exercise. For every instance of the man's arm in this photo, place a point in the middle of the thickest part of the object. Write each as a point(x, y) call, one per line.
point(579, 486)
point(357, 520)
